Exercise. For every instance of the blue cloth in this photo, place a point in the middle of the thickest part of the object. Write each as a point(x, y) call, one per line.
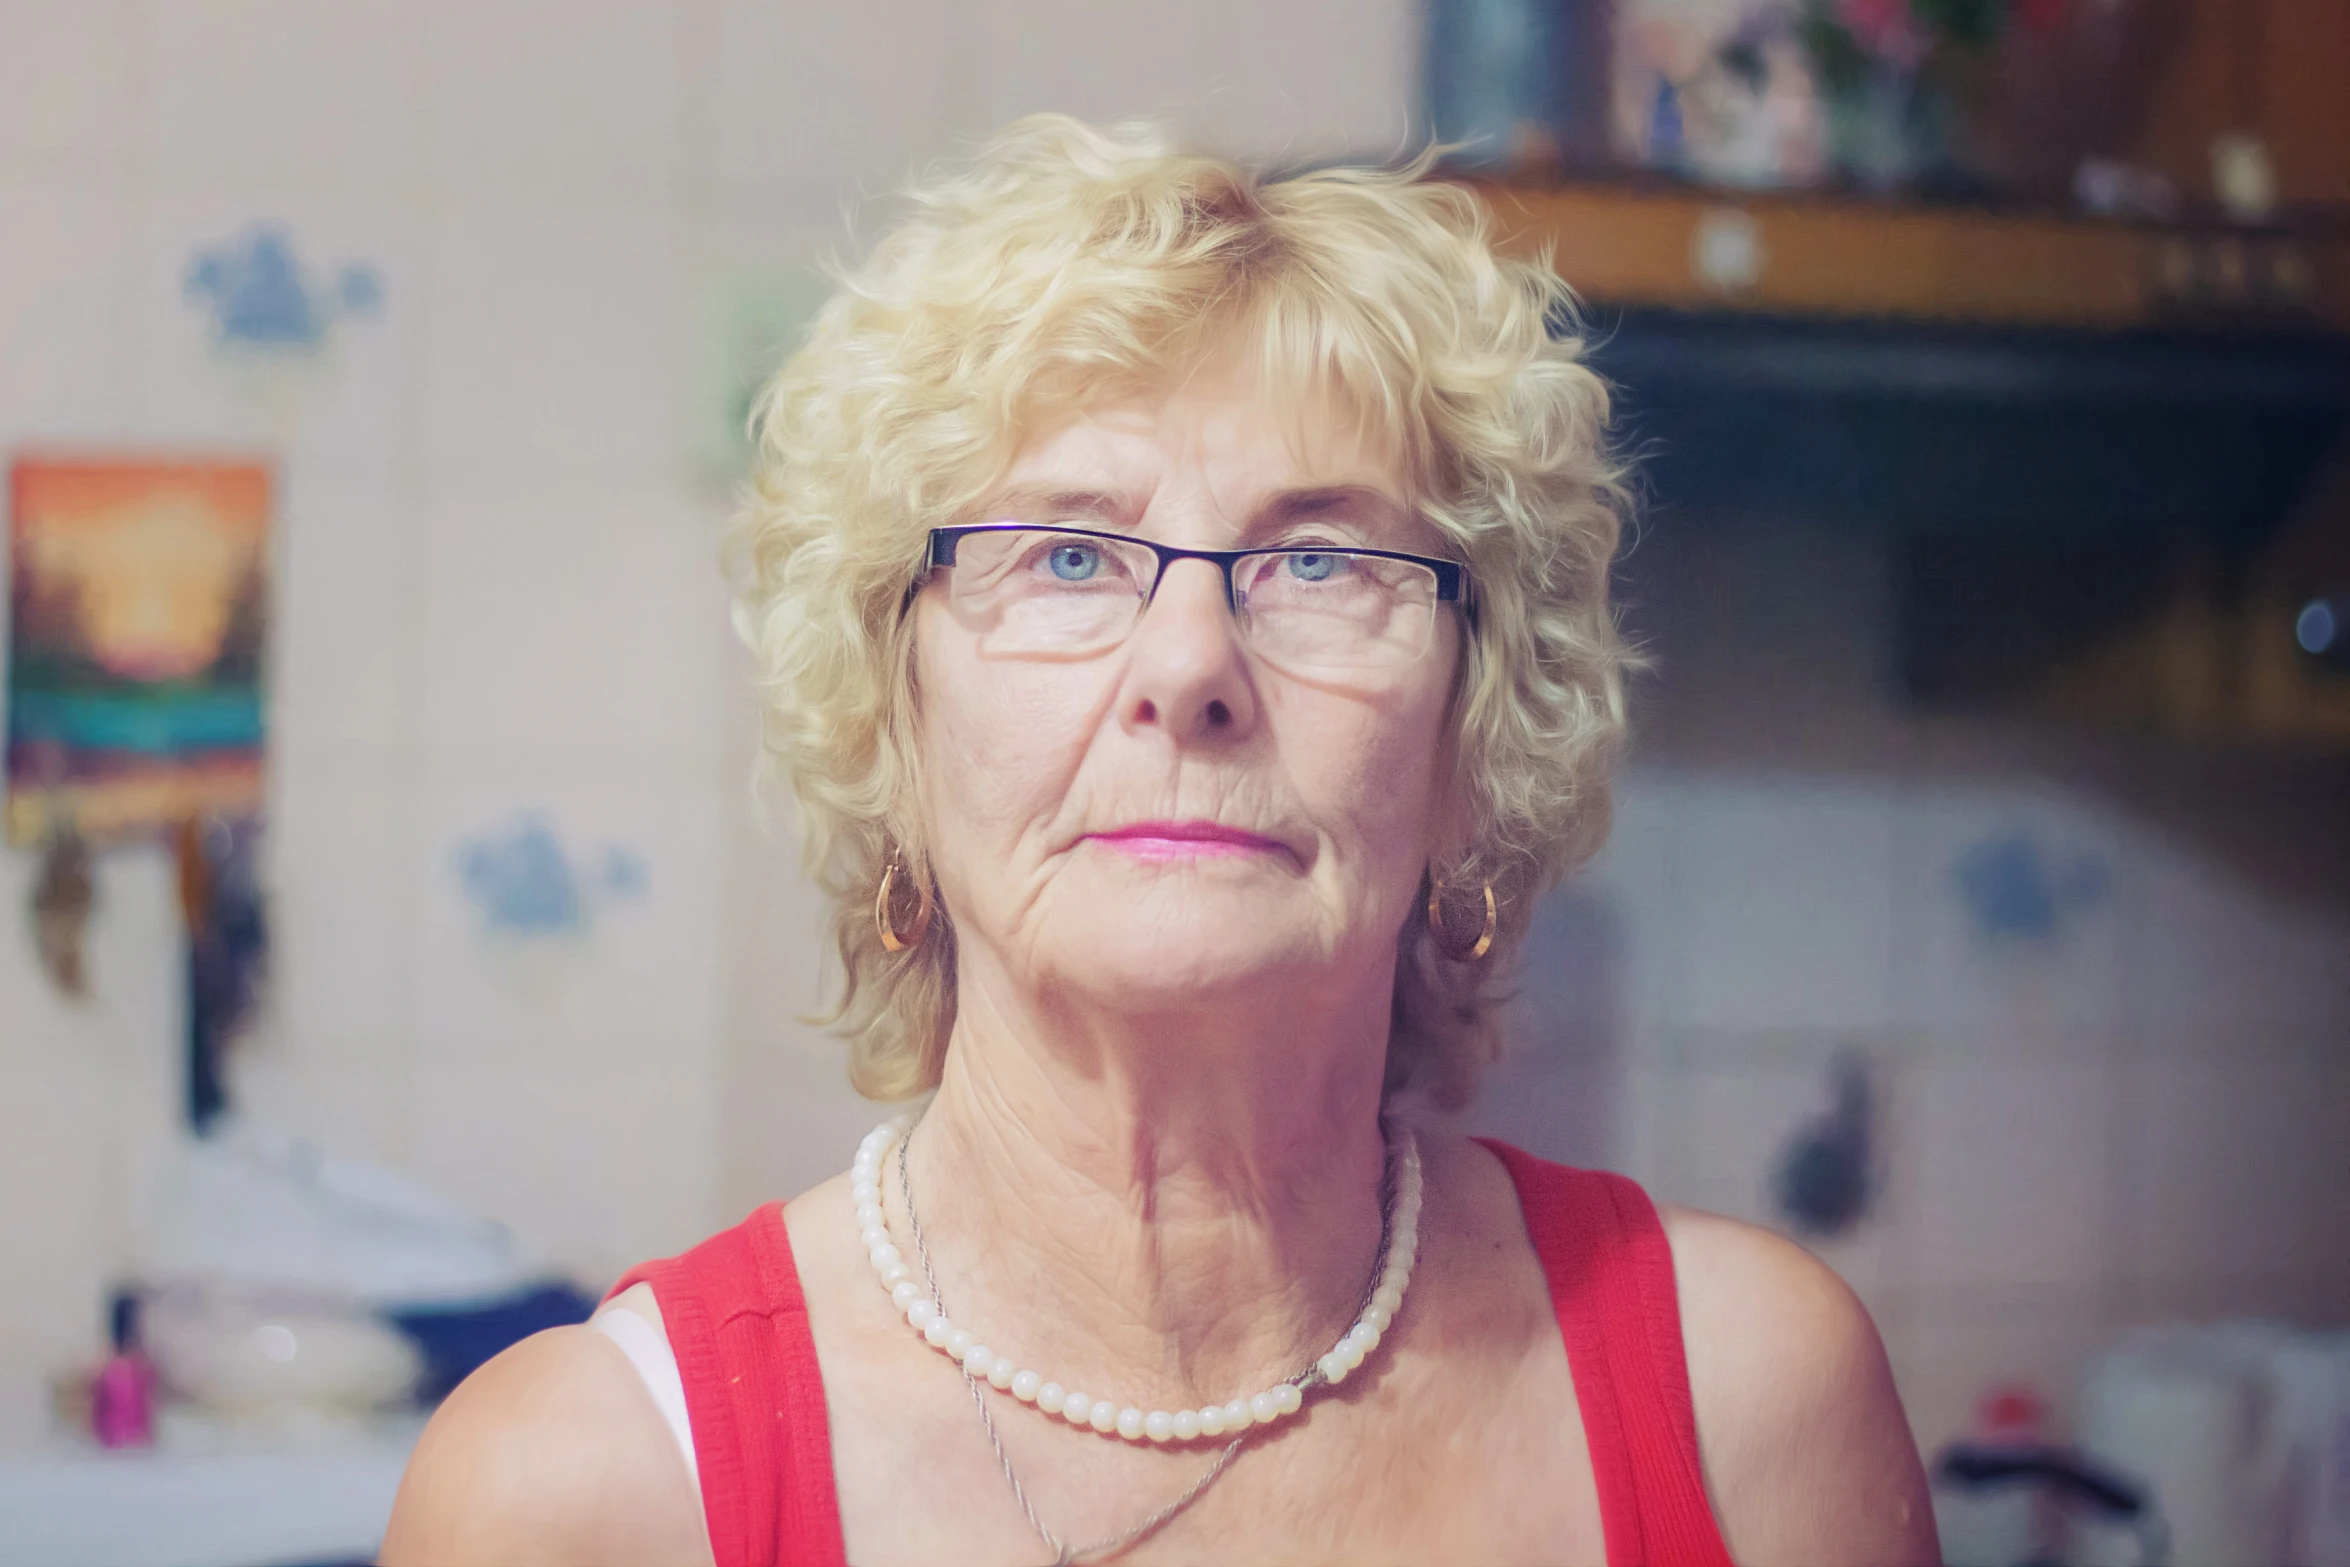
point(457, 1339)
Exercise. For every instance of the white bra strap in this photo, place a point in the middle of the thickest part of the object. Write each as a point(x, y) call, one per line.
point(656, 1362)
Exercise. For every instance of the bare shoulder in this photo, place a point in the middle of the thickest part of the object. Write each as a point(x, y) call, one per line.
point(1807, 1453)
point(551, 1455)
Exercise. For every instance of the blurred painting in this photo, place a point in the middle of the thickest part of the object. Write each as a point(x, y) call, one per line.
point(1966, 98)
point(138, 596)
point(1720, 90)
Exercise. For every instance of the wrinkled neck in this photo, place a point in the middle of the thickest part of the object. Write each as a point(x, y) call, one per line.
point(1184, 1204)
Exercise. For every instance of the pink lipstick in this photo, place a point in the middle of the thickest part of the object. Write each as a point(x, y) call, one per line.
point(1185, 840)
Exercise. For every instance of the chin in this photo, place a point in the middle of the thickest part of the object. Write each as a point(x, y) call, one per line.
point(1157, 949)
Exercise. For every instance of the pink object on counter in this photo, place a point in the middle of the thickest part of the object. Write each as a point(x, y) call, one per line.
point(122, 1402)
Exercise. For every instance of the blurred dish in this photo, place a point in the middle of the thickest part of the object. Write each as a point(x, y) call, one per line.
point(253, 1353)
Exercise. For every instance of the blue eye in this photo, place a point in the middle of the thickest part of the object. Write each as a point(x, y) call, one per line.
point(1075, 562)
point(1312, 568)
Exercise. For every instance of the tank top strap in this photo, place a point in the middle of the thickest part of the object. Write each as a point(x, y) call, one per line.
point(738, 1325)
point(1603, 1251)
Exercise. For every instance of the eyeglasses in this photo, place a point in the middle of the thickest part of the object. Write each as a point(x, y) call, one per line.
point(1048, 591)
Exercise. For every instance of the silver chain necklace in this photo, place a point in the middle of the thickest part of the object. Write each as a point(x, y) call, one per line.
point(1111, 1546)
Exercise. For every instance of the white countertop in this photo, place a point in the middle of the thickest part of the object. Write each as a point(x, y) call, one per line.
point(81, 1506)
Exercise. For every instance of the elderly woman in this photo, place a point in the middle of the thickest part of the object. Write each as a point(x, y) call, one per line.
point(1180, 605)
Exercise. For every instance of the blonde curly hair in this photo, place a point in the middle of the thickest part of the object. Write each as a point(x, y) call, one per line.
point(1066, 265)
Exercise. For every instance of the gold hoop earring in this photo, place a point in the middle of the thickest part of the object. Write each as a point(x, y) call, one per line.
point(886, 922)
point(1444, 944)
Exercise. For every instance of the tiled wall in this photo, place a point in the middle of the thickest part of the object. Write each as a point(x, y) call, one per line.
point(497, 598)
point(2114, 1077)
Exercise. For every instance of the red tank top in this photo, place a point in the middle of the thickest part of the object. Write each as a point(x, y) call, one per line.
point(738, 1325)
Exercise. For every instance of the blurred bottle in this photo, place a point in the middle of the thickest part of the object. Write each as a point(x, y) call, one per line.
point(2006, 1496)
point(2003, 1524)
point(2312, 1380)
point(1518, 85)
point(122, 1395)
point(2234, 1429)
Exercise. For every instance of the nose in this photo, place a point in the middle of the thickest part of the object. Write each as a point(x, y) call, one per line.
point(1185, 670)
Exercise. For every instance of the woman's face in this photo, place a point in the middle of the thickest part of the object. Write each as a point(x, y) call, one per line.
point(1173, 819)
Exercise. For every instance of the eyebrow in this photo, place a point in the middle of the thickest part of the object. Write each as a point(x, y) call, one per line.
point(1038, 504)
point(1360, 500)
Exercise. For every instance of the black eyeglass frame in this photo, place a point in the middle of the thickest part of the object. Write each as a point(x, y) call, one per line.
point(1453, 583)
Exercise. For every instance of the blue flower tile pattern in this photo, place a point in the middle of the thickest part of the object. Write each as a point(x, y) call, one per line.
point(2014, 889)
point(258, 297)
point(526, 884)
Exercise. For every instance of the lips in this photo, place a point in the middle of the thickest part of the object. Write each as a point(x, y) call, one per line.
point(1167, 840)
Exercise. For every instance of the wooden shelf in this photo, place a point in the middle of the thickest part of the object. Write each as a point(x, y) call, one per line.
point(1823, 256)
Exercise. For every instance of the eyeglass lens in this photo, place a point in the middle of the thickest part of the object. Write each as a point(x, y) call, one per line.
point(1039, 592)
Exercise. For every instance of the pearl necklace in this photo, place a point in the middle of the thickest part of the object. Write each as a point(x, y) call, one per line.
point(1401, 1242)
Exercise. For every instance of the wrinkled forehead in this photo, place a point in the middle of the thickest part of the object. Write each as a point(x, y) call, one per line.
point(1258, 432)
